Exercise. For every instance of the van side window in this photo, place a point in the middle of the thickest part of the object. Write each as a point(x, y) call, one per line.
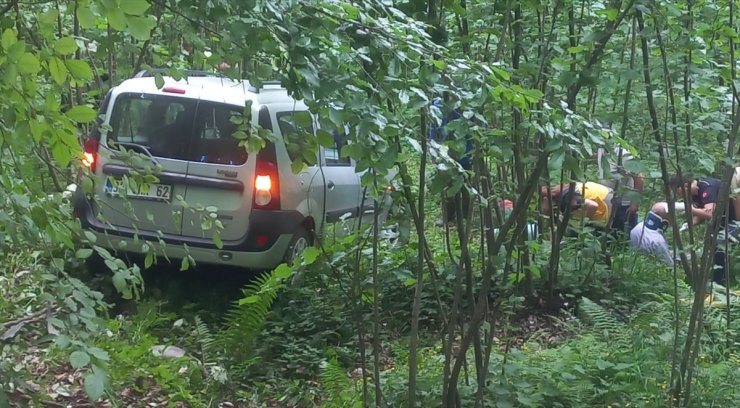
point(213, 140)
point(332, 155)
point(296, 128)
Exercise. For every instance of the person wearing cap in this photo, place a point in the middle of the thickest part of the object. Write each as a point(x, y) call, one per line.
point(647, 236)
point(589, 200)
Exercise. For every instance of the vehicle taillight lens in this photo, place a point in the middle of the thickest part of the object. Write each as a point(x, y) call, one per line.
point(266, 186)
point(90, 153)
point(172, 89)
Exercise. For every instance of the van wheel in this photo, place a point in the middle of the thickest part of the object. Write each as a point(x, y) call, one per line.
point(300, 241)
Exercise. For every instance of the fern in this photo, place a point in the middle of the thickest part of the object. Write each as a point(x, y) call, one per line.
point(245, 319)
point(602, 319)
point(339, 389)
point(206, 341)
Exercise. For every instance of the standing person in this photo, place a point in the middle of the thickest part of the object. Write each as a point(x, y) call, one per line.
point(704, 193)
point(441, 134)
point(630, 182)
point(647, 236)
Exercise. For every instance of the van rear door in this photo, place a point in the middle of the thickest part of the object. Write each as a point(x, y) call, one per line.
point(149, 133)
point(218, 171)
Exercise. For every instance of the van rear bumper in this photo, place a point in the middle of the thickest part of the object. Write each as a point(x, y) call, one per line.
point(273, 228)
point(267, 259)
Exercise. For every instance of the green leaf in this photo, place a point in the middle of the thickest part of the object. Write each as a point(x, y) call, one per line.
point(28, 63)
point(61, 341)
point(84, 253)
point(98, 353)
point(159, 81)
point(79, 359)
point(352, 11)
point(9, 38)
point(325, 138)
point(141, 27)
point(90, 236)
point(149, 260)
point(82, 114)
point(439, 64)
point(95, 385)
point(248, 300)
point(240, 135)
point(61, 154)
point(119, 282)
point(79, 69)
point(86, 17)
point(116, 19)
point(283, 271)
point(501, 73)
point(65, 46)
point(310, 255)
point(603, 365)
point(134, 7)
point(728, 32)
point(297, 166)
point(611, 14)
point(217, 240)
point(336, 117)
point(568, 376)
point(57, 70)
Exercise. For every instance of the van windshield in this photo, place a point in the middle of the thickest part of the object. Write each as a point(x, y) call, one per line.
point(178, 128)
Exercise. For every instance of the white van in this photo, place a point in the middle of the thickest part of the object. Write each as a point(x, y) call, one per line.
point(185, 131)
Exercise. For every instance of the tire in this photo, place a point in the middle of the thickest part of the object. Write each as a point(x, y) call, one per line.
point(300, 241)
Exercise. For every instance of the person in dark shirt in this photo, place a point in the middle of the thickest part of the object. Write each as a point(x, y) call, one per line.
point(442, 134)
point(704, 194)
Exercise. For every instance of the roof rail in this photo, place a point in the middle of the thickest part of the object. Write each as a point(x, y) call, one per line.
point(189, 73)
point(254, 89)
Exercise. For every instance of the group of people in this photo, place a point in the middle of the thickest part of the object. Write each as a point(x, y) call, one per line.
point(597, 204)
point(612, 203)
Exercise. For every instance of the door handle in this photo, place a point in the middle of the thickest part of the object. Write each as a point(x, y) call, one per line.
point(330, 185)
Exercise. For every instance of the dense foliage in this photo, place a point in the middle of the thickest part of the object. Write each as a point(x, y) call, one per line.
point(459, 315)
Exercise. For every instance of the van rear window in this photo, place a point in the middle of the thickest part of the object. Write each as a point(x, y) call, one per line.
point(177, 128)
point(213, 136)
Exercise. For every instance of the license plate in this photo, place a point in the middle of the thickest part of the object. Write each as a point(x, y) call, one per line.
point(151, 191)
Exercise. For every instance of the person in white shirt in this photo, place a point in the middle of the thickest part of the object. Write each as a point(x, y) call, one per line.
point(647, 236)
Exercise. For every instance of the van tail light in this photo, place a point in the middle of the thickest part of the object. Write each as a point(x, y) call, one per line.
point(266, 185)
point(90, 153)
point(172, 89)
